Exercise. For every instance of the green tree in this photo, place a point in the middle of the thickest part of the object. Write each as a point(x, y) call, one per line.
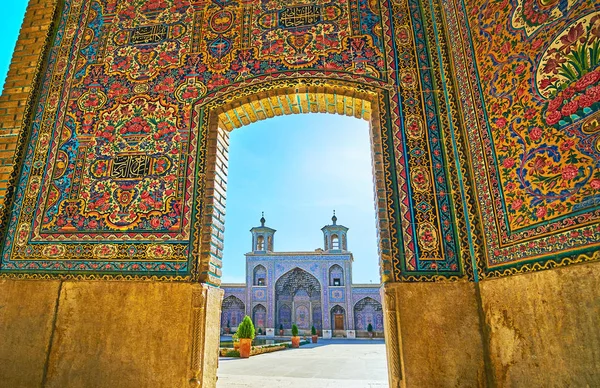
point(294, 330)
point(246, 328)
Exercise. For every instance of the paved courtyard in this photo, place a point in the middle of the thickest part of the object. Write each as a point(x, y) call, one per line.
point(335, 363)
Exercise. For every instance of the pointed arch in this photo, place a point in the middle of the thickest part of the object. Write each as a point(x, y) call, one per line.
point(259, 316)
point(233, 310)
point(335, 241)
point(338, 318)
point(368, 310)
point(336, 275)
point(259, 275)
point(260, 243)
point(298, 300)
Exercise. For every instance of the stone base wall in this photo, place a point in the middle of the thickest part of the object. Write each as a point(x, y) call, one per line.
point(544, 327)
point(103, 334)
point(537, 329)
point(435, 340)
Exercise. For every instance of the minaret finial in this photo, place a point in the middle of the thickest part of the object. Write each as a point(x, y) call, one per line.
point(262, 219)
point(334, 218)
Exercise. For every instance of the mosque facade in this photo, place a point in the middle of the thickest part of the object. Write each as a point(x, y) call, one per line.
point(312, 288)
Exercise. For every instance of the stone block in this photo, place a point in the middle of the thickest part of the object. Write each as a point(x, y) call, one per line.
point(27, 313)
point(433, 335)
point(108, 334)
point(121, 334)
point(544, 327)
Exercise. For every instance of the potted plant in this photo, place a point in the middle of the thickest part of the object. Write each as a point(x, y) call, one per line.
point(280, 329)
point(370, 330)
point(236, 341)
point(260, 332)
point(313, 331)
point(228, 328)
point(295, 337)
point(245, 333)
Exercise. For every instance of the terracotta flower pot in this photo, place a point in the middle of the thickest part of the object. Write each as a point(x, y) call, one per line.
point(295, 342)
point(245, 345)
point(314, 339)
point(281, 332)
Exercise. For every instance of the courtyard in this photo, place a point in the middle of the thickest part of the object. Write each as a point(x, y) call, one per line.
point(330, 363)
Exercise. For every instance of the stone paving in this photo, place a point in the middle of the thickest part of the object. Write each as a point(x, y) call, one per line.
point(334, 363)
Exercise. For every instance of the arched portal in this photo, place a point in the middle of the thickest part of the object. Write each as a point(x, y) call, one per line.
point(368, 311)
point(232, 311)
point(259, 316)
point(298, 300)
point(238, 106)
point(338, 319)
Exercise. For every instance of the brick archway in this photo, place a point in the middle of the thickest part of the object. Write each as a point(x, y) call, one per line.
point(245, 105)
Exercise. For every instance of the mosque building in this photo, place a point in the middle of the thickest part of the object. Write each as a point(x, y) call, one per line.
point(312, 288)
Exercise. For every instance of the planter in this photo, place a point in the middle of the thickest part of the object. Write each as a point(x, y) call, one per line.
point(295, 342)
point(227, 330)
point(281, 332)
point(314, 339)
point(245, 347)
point(370, 334)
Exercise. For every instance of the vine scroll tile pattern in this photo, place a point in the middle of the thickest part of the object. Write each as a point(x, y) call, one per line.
point(112, 175)
point(533, 127)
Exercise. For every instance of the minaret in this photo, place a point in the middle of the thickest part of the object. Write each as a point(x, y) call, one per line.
point(335, 236)
point(262, 237)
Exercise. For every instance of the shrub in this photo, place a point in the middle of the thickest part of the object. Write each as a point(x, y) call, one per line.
point(370, 328)
point(313, 331)
point(228, 324)
point(232, 353)
point(294, 330)
point(280, 326)
point(246, 328)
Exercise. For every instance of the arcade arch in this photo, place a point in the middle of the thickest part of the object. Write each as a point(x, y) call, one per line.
point(368, 311)
point(259, 315)
point(232, 312)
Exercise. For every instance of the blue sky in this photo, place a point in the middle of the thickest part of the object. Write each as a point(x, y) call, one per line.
point(13, 11)
point(297, 169)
